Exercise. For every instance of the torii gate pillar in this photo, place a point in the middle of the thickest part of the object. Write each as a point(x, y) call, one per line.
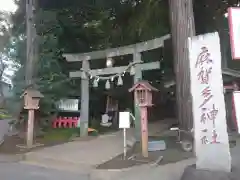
point(137, 77)
point(84, 112)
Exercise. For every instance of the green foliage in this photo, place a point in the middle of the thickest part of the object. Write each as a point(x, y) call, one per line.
point(149, 20)
point(4, 114)
point(78, 27)
point(63, 134)
point(81, 26)
point(209, 15)
point(50, 78)
point(54, 135)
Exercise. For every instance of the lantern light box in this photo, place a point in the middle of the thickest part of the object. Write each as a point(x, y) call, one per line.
point(31, 98)
point(143, 93)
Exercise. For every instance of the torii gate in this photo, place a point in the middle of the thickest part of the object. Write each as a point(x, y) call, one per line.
point(135, 50)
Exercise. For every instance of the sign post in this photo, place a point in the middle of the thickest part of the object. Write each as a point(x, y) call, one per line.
point(124, 123)
point(124, 144)
point(209, 113)
point(31, 103)
point(144, 129)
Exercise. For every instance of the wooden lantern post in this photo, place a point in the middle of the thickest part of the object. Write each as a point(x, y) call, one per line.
point(31, 103)
point(143, 98)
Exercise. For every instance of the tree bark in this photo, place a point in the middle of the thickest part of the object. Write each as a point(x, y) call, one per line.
point(182, 25)
point(32, 46)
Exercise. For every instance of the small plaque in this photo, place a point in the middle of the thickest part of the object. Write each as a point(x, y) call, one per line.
point(124, 120)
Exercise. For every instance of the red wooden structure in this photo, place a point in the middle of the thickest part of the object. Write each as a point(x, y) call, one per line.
point(65, 122)
point(143, 98)
point(68, 122)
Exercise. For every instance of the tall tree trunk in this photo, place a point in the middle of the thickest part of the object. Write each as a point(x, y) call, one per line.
point(32, 48)
point(182, 25)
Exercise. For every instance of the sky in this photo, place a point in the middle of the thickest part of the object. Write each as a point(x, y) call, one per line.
point(8, 5)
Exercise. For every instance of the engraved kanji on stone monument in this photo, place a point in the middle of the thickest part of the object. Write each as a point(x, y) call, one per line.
point(210, 128)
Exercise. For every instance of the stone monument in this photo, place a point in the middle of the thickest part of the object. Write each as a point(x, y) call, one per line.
point(209, 114)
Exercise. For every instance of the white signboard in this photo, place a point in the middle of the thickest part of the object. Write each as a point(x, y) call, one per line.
point(234, 27)
point(211, 138)
point(68, 104)
point(236, 106)
point(124, 120)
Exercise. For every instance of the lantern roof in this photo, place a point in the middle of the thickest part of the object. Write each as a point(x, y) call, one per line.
point(144, 84)
point(32, 93)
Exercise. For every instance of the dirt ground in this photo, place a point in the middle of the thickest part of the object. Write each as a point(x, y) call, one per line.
point(172, 154)
point(10, 145)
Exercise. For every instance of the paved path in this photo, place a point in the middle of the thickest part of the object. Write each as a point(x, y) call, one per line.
point(89, 153)
point(15, 171)
point(84, 154)
point(171, 171)
point(166, 172)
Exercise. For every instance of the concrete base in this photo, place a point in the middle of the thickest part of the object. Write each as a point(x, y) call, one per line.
point(191, 173)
